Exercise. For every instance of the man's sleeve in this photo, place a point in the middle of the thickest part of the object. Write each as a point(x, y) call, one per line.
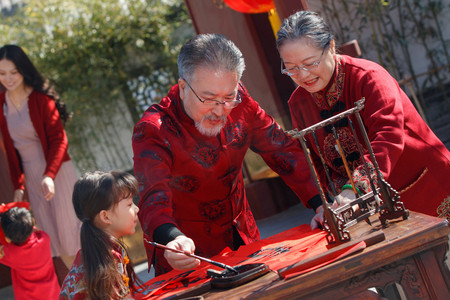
point(152, 163)
point(283, 155)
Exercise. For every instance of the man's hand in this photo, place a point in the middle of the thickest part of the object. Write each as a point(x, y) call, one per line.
point(18, 195)
point(346, 196)
point(180, 261)
point(48, 187)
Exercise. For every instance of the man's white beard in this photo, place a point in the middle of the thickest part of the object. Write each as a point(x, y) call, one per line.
point(212, 131)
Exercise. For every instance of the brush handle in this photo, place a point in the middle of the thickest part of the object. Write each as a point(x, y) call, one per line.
point(215, 263)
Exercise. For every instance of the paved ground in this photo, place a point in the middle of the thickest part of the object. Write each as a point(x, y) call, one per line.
point(290, 218)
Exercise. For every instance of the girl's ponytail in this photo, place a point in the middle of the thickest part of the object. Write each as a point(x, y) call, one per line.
point(101, 276)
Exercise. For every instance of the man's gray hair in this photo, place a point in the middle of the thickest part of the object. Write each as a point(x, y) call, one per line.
point(305, 24)
point(212, 51)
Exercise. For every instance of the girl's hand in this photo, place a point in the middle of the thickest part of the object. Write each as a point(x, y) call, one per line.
point(2, 252)
point(48, 187)
point(180, 261)
point(18, 195)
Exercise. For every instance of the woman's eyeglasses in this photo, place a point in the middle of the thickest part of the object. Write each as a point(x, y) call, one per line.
point(306, 67)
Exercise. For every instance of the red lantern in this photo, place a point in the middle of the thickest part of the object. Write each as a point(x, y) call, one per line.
point(250, 6)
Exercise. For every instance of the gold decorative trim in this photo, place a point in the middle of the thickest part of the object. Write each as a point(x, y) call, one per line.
point(414, 182)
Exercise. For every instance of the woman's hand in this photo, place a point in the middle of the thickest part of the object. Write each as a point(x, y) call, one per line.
point(346, 196)
point(317, 220)
point(48, 187)
point(180, 261)
point(18, 195)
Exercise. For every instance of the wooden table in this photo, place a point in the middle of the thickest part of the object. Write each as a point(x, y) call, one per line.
point(412, 255)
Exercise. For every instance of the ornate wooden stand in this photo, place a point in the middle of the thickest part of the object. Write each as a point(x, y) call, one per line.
point(383, 198)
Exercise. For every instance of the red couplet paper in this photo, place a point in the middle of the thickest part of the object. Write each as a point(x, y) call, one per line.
point(278, 251)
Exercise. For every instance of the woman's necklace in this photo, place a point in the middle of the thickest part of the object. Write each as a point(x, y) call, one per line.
point(18, 102)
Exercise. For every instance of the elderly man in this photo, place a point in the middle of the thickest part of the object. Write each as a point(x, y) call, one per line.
point(188, 155)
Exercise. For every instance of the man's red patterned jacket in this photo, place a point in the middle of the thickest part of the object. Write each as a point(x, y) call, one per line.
point(196, 183)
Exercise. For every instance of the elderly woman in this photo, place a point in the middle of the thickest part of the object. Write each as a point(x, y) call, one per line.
point(410, 156)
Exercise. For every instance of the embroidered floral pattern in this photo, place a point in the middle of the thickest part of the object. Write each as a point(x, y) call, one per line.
point(171, 126)
point(187, 183)
point(285, 163)
point(236, 135)
point(230, 176)
point(275, 135)
point(361, 177)
point(212, 210)
point(330, 103)
point(139, 132)
point(74, 286)
point(328, 97)
point(205, 155)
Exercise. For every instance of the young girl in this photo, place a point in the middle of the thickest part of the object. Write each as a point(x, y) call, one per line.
point(103, 201)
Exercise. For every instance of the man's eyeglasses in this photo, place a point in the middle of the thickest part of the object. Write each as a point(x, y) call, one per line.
point(229, 104)
point(306, 67)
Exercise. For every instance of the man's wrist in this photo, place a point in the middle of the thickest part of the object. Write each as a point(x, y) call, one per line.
point(316, 201)
point(166, 233)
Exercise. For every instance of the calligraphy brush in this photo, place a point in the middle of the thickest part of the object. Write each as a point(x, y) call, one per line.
point(366, 167)
point(324, 164)
point(216, 263)
point(347, 169)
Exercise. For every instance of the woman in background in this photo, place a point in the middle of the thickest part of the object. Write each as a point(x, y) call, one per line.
point(36, 146)
point(410, 156)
